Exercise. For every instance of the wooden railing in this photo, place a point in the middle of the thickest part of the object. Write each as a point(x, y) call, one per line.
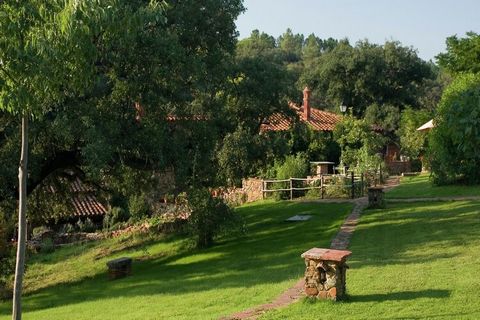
point(354, 188)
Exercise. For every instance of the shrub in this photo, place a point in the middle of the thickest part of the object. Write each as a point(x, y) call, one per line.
point(67, 228)
point(114, 216)
point(358, 142)
point(293, 167)
point(455, 140)
point(47, 245)
point(138, 207)
point(210, 217)
point(86, 225)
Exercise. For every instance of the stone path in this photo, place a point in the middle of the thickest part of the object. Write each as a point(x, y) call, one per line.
point(342, 239)
point(339, 242)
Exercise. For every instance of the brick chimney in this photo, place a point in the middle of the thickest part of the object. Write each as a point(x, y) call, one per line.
point(306, 103)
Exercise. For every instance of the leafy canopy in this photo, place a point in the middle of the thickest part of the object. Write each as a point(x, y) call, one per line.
point(463, 54)
point(455, 139)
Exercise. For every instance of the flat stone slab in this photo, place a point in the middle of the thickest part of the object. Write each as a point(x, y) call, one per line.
point(299, 217)
point(326, 254)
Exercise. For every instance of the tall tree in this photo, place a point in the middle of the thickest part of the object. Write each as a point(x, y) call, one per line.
point(463, 54)
point(39, 63)
point(78, 68)
point(367, 74)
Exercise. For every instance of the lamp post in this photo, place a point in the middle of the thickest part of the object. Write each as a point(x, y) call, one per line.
point(343, 108)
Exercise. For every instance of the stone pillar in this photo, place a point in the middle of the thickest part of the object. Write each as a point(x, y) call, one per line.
point(325, 273)
point(376, 197)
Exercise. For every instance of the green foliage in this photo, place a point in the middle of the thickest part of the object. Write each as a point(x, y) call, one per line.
point(297, 166)
point(7, 258)
point(455, 140)
point(113, 217)
point(359, 143)
point(210, 217)
point(367, 74)
point(237, 156)
point(138, 207)
point(47, 245)
point(413, 142)
point(463, 55)
point(384, 117)
point(86, 225)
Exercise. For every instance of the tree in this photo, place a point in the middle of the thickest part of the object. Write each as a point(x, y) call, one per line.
point(291, 45)
point(359, 143)
point(78, 69)
point(368, 74)
point(463, 54)
point(412, 142)
point(455, 139)
point(38, 64)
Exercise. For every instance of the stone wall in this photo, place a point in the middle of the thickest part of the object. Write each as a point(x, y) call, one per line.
point(252, 187)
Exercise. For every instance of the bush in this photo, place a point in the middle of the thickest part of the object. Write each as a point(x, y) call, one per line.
point(47, 245)
point(86, 225)
point(454, 141)
point(138, 207)
point(67, 228)
point(6, 290)
point(293, 167)
point(113, 217)
point(358, 142)
point(40, 232)
point(210, 217)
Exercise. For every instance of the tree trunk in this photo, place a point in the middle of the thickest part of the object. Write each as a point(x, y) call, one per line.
point(22, 223)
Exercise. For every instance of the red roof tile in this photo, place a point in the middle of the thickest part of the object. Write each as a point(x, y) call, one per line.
point(319, 120)
point(87, 205)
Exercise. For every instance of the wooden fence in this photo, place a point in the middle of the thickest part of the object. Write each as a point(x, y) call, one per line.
point(348, 184)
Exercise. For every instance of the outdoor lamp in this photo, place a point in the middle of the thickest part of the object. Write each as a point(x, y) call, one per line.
point(343, 107)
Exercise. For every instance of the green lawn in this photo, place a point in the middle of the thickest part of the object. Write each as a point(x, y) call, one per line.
point(410, 261)
point(173, 281)
point(422, 187)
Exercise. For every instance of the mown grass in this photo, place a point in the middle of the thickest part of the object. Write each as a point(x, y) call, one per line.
point(410, 261)
point(171, 280)
point(421, 186)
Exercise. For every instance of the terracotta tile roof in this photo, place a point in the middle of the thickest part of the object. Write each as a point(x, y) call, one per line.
point(86, 205)
point(82, 199)
point(319, 120)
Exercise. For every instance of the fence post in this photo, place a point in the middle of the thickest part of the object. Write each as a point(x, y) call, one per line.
point(264, 187)
point(362, 186)
point(321, 184)
point(291, 189)
point(353, 185)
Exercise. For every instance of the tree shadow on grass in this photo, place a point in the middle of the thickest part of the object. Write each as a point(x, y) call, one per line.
point(399, 296)
point(268, 254)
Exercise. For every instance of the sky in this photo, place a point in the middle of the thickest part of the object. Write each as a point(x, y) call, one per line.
point(422, 24)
